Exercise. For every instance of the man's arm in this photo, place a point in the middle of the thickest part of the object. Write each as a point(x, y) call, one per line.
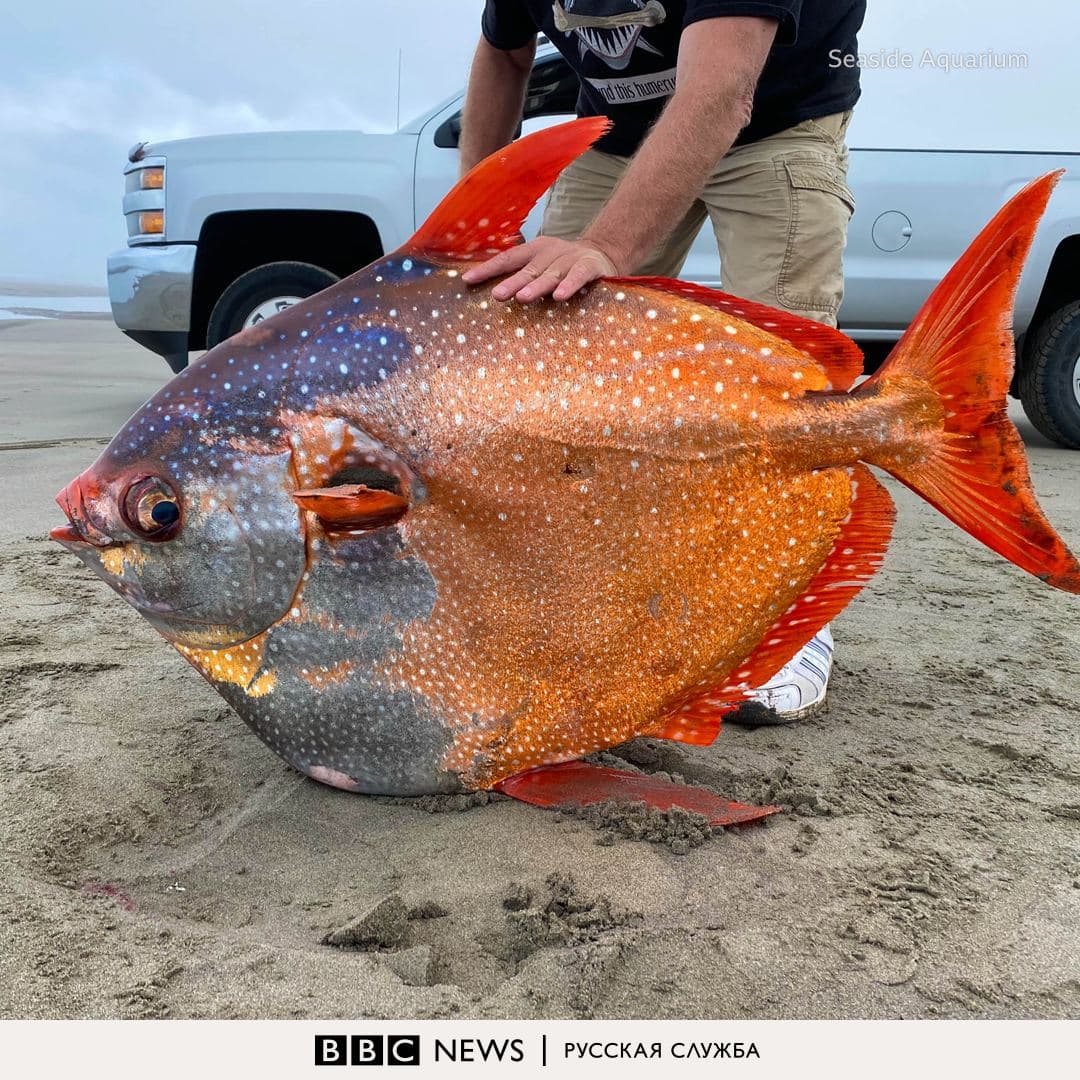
point(494, 100)
point(720, 60)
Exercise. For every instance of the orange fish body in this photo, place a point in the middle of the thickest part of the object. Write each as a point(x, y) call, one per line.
point(532, 533)
point(621, 496)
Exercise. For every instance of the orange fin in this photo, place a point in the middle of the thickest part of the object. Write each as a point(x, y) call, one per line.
point(841, 358)
point(960, 346)
point(352, 506)
point(577, 784)
point(856, 555)
point(697, 720)
point(483, 213)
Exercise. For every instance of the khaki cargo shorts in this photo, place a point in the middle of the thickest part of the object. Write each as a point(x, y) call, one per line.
point(779, 208)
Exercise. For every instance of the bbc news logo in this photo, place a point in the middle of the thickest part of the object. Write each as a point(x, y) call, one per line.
point(367, 1049)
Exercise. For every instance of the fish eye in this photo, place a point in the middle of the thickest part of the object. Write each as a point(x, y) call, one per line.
point(151, 508)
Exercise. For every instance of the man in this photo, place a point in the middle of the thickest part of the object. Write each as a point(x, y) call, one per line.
point(734, 109)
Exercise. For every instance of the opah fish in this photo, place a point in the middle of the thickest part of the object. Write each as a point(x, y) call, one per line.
point(422, 541)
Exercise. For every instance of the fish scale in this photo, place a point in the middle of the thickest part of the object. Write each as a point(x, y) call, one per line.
point(425, 542)
point(554, 556)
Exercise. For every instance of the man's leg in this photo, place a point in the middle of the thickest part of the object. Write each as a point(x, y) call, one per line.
point(583, 188)
point(780, 208)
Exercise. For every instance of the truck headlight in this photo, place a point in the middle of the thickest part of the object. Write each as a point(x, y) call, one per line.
point(152, 178)
point(144, 178)
point(144, 200)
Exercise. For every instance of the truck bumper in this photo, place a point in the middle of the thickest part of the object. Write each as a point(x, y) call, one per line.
point(150, 293)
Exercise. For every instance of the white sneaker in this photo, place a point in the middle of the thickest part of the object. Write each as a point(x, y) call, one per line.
point(798, 689)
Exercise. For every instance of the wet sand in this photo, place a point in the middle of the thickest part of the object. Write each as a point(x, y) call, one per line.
point(157, 860)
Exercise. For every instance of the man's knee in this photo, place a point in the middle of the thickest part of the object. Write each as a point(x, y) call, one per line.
point(811, 276)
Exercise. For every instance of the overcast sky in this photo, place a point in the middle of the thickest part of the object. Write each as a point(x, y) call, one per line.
point(82, 80)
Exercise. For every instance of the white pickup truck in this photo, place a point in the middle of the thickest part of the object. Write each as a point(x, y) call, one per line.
point(224, 231)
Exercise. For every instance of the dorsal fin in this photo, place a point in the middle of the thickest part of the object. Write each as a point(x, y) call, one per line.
point(841, 358)
point(483, 213)
point(856, 555)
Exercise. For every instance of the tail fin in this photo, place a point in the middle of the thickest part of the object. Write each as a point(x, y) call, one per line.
point(961, 345)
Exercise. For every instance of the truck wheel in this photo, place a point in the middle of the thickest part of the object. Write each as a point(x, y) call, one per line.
point(1050, 376)
point(261, 293)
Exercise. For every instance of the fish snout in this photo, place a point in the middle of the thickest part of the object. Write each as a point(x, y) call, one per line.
point(75, 501)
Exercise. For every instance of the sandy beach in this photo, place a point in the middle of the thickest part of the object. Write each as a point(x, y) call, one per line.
point(158, 861)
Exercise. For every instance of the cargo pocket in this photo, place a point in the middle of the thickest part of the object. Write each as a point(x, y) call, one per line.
point(820, 205)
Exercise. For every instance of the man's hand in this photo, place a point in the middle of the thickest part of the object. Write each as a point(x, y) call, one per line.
point(544, 266)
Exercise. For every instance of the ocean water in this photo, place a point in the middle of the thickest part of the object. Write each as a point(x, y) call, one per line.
point(42, 307)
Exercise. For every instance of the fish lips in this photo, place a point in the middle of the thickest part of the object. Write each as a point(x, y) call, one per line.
point(68, 535)
point(81, 528)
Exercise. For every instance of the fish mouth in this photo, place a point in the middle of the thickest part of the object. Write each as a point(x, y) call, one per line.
point(81, 529)
point(67, 534)
point(614, 44)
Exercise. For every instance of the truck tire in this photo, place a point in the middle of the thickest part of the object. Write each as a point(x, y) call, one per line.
point(1050, 376)
point(261, 293)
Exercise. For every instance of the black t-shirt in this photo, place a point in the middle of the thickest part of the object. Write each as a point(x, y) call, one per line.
point(624, 52)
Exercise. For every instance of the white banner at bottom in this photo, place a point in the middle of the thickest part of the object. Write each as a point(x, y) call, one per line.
point(623, 1049)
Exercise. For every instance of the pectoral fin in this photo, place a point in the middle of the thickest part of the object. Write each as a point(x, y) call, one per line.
point(352, 506)
point(578, 784)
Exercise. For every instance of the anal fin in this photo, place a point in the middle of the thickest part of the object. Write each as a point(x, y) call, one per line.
point(856, 555)
point(577, 784)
